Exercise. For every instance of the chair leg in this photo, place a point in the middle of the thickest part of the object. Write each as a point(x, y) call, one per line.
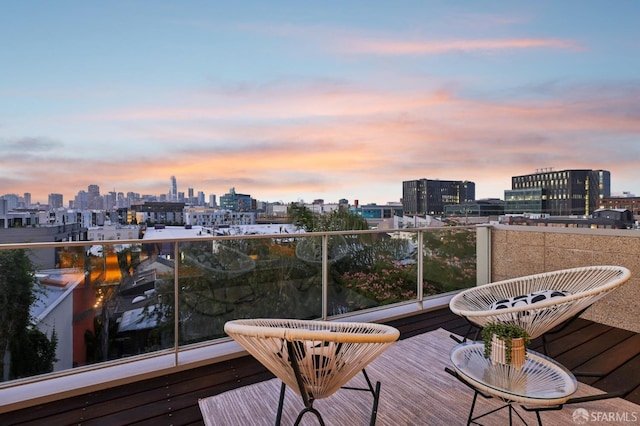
point(466, 335)
point(366, 377)
point(473, 406)
point(374, 411)
point(473, 420)
point(374, 391)
point(283, 389)
point(558, 329)
point(308, 399)
point(309, 410)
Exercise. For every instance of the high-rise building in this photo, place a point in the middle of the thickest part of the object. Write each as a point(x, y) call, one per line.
point(173, 190)
point(81, 200)
point(120, 200)
point(27, 199)
point(94, 200)
point(56, 201)
point(558, 192)
point(429, 196)
point(12, 201)
point(132, 198)
point(109, 200)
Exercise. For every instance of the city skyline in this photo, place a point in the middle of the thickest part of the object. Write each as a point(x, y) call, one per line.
point(288, 101)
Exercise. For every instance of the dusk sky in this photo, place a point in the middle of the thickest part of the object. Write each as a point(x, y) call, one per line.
point(301, 100)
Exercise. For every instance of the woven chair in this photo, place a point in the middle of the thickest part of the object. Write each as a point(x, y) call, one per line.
point(540, 302)
point(314, 358)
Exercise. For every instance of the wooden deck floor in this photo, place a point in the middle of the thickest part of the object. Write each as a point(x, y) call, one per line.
point(173, 399)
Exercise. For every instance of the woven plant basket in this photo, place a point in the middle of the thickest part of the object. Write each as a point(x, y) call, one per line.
point(499, 352)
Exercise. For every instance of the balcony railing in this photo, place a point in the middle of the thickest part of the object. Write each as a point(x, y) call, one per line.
point(180, 286)
point(146, 306)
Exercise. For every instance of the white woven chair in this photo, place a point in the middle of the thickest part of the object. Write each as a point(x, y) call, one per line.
point(537, 303)
point(575, 290)
point(314, 358)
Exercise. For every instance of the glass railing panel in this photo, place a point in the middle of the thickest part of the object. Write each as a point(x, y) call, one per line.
point(144, 299)
point(449, 260)
point(228, 279)
point(123, 279)
point(122, 299)
point(370, 270)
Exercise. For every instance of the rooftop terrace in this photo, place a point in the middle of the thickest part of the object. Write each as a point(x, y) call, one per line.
point(163, 386)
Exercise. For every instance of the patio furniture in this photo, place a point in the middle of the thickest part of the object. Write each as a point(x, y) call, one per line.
point(540, 302)
point(314, 358)
point(542, 384)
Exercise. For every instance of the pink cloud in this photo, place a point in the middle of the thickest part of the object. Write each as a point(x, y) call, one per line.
point(398, 47)
point(324, 140)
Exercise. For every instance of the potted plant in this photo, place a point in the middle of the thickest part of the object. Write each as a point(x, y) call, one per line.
point(505, 343)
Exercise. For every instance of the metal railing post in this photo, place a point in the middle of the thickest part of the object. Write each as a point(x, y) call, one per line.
point(176, 315)
point(420, 267)
point(325, 276)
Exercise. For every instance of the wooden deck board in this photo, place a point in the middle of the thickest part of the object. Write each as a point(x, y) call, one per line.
point(592, 345)
point(569, 340)
point(634, 395)
point(173, 399)
point(618, 379)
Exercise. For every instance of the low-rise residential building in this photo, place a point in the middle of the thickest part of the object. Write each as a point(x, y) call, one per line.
point(112, 231)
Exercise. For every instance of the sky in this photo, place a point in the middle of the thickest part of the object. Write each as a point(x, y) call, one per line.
point(301, 100)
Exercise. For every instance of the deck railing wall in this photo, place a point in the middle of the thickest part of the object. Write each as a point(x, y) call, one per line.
point(525, 250)
point(127, 309)
point(323, 269)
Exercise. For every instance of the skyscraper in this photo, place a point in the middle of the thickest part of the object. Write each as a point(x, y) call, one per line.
point(173, 190)
point(94, 200)
point(81, 200)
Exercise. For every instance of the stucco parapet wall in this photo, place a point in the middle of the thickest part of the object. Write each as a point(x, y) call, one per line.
point(525, 250)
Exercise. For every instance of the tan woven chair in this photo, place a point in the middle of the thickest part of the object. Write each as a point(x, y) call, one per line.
point(314, 358)
point(564, 294)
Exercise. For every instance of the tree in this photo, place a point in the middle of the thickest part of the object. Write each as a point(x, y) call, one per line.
point(301, 217)
point(32, 353)
point(341, 220)
point(337, 220)
point(17, 293)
